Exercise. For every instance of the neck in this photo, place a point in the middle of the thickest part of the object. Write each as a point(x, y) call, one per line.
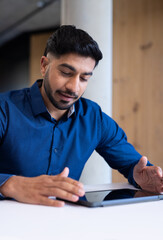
point(54, 112)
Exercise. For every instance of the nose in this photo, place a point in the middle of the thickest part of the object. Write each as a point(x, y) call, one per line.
point(73, 84)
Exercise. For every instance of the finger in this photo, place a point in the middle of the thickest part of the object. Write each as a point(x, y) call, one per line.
point(65, 188)
point(62, 194)
point(73, 187)
point(141, 164)
point(160, 173)
point(50, 202)
point(160, 185)
point(49, 183)
point(156, 177)
point(42, 200)
point(66, 179)
point(65, 172)
point(160, 189)
point(155, 172)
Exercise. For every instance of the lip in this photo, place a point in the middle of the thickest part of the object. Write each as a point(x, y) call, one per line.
point(65, 97)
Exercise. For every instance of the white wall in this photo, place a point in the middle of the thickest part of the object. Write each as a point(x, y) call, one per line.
point(95, 17)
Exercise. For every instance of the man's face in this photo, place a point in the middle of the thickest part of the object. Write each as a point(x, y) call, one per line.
point(65, 79)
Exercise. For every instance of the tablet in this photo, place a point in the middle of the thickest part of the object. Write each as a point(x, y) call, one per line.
point(117, 197)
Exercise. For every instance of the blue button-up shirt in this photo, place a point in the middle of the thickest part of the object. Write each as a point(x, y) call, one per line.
point(33, 143)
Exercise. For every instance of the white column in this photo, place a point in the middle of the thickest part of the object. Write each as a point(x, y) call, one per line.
point(95, 17)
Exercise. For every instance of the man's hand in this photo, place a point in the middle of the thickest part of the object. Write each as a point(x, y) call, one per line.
point(37, 190)
point(149, 178)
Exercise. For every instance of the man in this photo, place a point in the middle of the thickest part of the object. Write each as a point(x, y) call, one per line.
point(48, 131)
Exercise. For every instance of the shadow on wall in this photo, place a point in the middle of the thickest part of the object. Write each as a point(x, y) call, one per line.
point(14, 63)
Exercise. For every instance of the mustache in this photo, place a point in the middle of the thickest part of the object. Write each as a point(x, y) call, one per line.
point(68, 93)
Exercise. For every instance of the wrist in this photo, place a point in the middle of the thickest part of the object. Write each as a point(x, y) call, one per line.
point(7, 188)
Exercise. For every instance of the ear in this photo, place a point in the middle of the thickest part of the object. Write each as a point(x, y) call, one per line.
point(44, 65)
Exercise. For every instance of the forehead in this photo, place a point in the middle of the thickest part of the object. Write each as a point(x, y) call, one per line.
point(78, 62)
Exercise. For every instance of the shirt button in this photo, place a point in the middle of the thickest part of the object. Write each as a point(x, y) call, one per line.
point(55, 150)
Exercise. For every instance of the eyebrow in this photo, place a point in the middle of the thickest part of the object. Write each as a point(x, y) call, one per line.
point(73, 69)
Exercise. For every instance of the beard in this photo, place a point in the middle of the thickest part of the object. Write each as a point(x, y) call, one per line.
point(61, 105)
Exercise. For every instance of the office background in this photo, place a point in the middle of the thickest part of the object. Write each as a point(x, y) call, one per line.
point(128, 83)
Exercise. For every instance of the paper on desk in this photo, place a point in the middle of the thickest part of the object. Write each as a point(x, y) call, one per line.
point(110, 186)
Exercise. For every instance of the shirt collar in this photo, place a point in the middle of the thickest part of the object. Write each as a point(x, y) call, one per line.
point(71, 111)
point(37, 102)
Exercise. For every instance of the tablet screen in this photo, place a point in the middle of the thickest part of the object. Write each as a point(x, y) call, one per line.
point(115, 197)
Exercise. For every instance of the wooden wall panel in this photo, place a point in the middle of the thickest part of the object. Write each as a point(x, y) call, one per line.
point(138, 75)
point(37, 46)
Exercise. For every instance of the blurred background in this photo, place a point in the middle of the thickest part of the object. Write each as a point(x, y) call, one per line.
point(21, 20)
point(128, 83)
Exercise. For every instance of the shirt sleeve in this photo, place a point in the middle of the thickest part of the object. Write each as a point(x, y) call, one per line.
point(3, 119)
point(3, 179)
point(3, 127)
point(116, 150)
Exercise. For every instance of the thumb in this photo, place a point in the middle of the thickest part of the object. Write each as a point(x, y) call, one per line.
point(141, 164)
point(65, 172)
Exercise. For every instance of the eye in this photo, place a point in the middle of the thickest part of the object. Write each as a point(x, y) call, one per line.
point(85, 78)
point(68, 74)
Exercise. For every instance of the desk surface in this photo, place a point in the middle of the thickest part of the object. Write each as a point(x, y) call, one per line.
point(20, 221)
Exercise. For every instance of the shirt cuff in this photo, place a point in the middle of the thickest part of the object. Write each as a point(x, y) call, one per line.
point(3, 179)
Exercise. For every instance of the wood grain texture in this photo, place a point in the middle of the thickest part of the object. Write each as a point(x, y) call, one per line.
point(138, 75)
point(37, 46)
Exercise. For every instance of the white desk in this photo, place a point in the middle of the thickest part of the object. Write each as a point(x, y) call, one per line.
point(126, 222)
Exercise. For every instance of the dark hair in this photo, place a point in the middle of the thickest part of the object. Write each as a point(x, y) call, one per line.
point(69, 39)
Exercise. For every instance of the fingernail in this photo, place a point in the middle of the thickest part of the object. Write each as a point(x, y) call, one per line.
point(75, 198)
point(81, 192)
point(80, 184)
